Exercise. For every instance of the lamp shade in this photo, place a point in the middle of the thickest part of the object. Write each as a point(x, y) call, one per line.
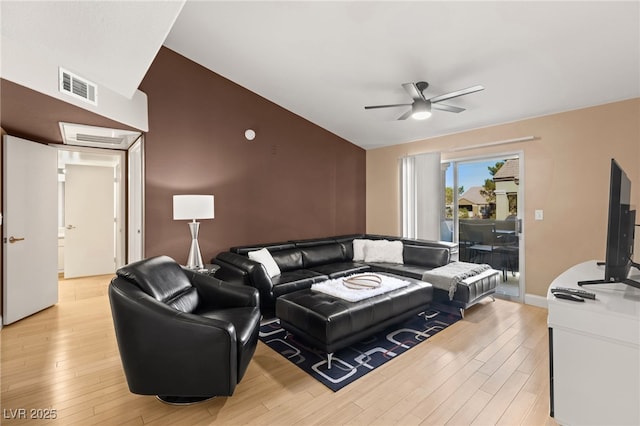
point(188, 207)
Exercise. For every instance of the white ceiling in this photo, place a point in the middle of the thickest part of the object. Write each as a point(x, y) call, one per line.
point(326, 60)
point(111, 43)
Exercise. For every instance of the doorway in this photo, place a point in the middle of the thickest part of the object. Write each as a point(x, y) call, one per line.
point(91, 211)
point(483, 207)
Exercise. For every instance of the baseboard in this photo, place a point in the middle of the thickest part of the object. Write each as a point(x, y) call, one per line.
point(535, 300)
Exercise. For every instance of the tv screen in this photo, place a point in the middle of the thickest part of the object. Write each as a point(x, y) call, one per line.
point(620, 231)
point(620, 226)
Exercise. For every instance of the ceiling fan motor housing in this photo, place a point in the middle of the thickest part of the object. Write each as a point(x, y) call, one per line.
point(422, 85)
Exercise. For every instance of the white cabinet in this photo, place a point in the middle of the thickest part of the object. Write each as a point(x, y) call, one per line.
point(594, 349)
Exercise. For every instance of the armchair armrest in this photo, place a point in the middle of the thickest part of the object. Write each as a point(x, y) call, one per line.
point(219, 294)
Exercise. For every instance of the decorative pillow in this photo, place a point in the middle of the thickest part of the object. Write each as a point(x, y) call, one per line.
point(383, 251)
point(263, 256)
point(358, 249)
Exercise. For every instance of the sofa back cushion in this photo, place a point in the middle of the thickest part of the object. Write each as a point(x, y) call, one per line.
point(347, 246)
point(164, 280)
point(425, 255)
point(288, 259)
point(272, 247)
point(322, 254)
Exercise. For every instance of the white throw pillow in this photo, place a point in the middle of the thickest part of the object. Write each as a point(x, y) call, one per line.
point(358, 249)
point(263, 256)
point(384, 251)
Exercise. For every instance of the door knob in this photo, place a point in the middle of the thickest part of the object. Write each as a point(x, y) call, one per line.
point(13, 239)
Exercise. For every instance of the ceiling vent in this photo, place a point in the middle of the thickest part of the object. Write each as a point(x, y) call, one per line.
point(97, 137)
point(107, 140)
point(78, 87)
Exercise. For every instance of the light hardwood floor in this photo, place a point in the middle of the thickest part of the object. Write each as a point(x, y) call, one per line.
point(490, 368)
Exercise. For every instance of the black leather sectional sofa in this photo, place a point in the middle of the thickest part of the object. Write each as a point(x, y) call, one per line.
point(305, 262)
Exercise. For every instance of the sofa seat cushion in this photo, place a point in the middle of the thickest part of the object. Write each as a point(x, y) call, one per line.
point(341, 269)
point(290, 281)
point(405, 270)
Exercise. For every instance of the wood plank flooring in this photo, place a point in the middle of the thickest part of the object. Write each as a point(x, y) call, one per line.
point(490, 368)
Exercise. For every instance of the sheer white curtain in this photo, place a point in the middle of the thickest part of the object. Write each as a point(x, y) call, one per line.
point(422, 195)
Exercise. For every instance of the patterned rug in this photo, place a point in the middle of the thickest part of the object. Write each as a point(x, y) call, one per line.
point(353, 362)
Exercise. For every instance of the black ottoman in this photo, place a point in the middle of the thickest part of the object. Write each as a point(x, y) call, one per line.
point(329, 323)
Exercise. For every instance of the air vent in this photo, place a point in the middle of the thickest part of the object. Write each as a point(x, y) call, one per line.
point(78, 87)
point(97, 137)
point(107, 140)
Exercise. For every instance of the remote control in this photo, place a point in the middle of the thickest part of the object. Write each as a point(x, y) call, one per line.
point(579, 292)
point(568, 296)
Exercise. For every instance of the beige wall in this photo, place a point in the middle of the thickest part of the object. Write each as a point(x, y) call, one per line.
point(566, 174)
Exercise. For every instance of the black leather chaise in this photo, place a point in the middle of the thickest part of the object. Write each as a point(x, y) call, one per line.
point(182, 336)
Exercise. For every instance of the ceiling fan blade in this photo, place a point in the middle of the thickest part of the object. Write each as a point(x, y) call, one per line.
point(406, 115)
point(413, 91)
point(385, 106)
point(456, 94)
point(444, 107)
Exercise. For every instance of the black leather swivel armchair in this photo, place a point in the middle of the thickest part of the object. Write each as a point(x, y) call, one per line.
point(182, 336)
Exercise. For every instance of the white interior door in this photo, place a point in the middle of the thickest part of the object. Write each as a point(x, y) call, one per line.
point(89, 247)
point(30, 237)
point(135, 202)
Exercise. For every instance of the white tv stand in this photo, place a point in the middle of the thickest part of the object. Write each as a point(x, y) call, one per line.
point(594, 351)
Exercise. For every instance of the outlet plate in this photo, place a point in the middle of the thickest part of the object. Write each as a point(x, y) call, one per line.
point(539, 215)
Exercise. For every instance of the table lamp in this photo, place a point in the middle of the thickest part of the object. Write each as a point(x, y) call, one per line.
point(192, 207)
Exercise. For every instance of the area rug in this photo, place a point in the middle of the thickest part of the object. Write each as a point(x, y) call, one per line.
point(353, 362)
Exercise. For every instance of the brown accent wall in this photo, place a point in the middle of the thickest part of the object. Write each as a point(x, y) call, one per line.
point(294, 180)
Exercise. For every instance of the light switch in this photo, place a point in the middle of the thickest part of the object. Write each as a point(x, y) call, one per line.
point(539, 214)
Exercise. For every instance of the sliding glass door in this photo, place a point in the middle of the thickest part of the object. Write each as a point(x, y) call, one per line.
point(483, 202)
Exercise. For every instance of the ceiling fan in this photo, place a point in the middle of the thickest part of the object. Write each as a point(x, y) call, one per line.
point(421, 106)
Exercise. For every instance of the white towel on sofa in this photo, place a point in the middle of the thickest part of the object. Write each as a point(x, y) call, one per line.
point(335, 288)
point(447, 277)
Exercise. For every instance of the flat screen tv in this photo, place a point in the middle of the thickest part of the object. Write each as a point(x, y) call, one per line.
point(620, 231)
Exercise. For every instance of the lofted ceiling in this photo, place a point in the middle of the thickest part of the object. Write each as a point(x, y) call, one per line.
point(326, 60)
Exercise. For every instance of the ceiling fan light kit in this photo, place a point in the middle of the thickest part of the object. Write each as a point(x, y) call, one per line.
point(420, 110)
point(421, 106)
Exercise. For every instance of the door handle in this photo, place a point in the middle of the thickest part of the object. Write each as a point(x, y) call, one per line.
point(71, 227)
point(13, 239)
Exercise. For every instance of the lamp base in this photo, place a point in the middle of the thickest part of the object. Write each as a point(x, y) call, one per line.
point(194, 260)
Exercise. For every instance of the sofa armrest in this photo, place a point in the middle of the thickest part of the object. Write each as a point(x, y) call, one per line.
point(219, 294)
point(256, 273)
